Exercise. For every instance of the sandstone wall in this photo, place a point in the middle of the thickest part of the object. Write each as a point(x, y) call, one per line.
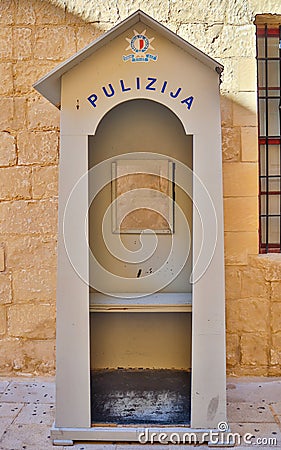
point(35, 36)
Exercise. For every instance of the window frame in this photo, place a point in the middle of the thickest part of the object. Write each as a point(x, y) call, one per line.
point(268, 27)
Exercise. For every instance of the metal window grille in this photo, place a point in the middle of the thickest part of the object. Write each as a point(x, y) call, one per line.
point(269, 105)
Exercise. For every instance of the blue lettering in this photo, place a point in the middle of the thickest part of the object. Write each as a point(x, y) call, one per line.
point(149, 85)
point(111, 88)
point(92, 99)
point(152, 81)
point(176, 94)
point(188, 101)
point(124, 89)
point(164, 87)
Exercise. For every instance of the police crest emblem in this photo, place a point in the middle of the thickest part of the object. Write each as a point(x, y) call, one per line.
point(140, 44)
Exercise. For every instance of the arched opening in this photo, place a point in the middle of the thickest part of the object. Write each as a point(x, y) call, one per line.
point(141, 153)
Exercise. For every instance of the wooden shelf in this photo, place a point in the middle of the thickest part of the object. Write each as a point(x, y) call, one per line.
point(159, 302)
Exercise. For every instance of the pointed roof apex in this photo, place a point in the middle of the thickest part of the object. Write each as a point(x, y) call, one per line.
point(50, 85)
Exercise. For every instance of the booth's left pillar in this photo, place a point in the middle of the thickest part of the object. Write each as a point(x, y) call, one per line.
point(73, 343)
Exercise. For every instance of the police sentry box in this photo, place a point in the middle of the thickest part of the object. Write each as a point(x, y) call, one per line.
point(140, 290)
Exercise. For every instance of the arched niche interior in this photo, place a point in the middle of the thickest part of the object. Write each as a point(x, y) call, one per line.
point(141, 343)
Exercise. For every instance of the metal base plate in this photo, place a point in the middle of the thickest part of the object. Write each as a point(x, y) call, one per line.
point(149, 435)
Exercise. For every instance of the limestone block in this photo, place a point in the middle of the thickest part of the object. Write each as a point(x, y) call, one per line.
point(247, 74)
point(232, 282)
point(6, 76)
point(25, 14)
point(37, 147)
point(34, 285)
point(254, 283)
point(31, 321)
point(238, 245)
point(231, 143)
point(246, 371)
point(158, 9)
point(276, 291)
point(26, 73)
point(234, 41)
point(28, 217)
point(10, 350)
point(86, 34)
point(15, 183)
point(55, 43)
point(47, 13)
point(248, 315)
point(195, 34)
point(6, 42)
point(265, 6)
point(92, 10)
point(5, 288)
point(232, 349)
point(173, 26)
point(273, 271)
point(238, 12)
point(254, 315)
point(274, 371)
point(245, 109)
point(205, 11)
point(226, 111)
point(232, 316)
point(275, 351)
point(241, 214)
point(20, 113)
point(42, 114)
point(40, 358)
point(28, 357)
point(229, 76)
point(254, 349)
point(44, 182)
point(2, 261)
point(275, 317)
point(249, 141)
point(6, 11)
point(6, 113)
point(74, 19)
point(3, 320)
point(240, 179)
point(30, 252)
point(271, 263)
point(22, 47)
point(8, 155)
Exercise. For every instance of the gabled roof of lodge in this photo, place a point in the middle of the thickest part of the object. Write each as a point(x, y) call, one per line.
point(50, 85)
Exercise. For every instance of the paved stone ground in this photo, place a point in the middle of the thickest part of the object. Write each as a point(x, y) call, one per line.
point(27, 411)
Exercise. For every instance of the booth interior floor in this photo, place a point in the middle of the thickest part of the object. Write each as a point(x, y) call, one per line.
point(140, 396)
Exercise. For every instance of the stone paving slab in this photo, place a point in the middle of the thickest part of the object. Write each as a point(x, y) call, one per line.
point(3, 386)
point(264, 431)
point(28, 437)
point(249, 412)
point(10, 409)
point(276, 408)
point(29, 392)
point(253, 390)
point(5, 422)
point(34, 413)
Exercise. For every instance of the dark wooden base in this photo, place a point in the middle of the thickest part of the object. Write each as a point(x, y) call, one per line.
point(124, 397)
